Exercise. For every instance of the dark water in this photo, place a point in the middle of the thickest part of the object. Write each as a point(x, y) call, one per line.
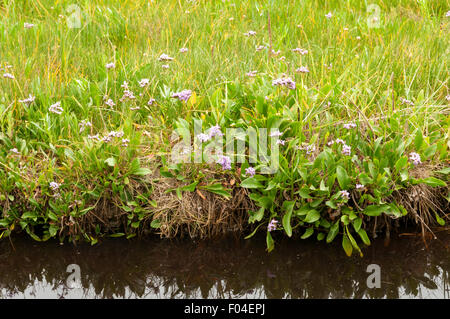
point(225, 268)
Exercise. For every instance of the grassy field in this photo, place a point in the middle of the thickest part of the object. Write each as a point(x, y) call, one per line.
point(87, 115)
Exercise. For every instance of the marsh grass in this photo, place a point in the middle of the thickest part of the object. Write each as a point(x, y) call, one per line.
point(372, 70)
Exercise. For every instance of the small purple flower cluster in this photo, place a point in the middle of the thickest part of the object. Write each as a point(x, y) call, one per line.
point(250, 171)
point(302, 69)
point(346, 149)
point(349, 126)
point(212, 132)
point(56, 108)
point(301, 51)
point(183, 95)
point(284, 81)
point(30, 99)
point(415, 158)
point(345, 194)
point(225, 161)
point(272, 225)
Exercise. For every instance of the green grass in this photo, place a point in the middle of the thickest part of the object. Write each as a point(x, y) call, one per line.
point(372, 70)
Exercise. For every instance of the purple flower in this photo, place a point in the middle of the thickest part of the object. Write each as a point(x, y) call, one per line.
point(251, 74)
point(56, 108)
point(301, 51)
point(183, 95)
point(27, 25)
point(203, 137)
point(8, 76)
point(83, 124)
point(260, 47)
point(144, 82)
point(328, 15)
point(183, 50)
point(250, 171)
point(225, 161)
point(250, 33)
point(345, 195)
point(110, 65)
point(215, 130)
point(302, 69)
point(405, 101)
point(28, 100)
point(359, 186)
point(346, 150)
point(164, 57)
point(110, 103)
point(287, 82)
point(280, 142)
point(165, 66)
point(151, 101)
point(275, 133)
point(415, 158)
point(272, 225)
point(54, 186)
point(349, 125)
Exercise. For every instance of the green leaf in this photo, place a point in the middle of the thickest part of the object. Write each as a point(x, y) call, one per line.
point(353, 242)
point(111, 161)
point(286, 221)
point(334, 230)
point(251, 182)
point(342, 177)
point(429, 151)
point(439, 219)
point(401, 163)
point(312, 216)
point(256, 216)
point(375, 210)
point(418, 140)
point(52, 230)
point(308, 233)
point(357, 224)
point(362, 233)
point(433, 181)
point(444, 171)
point(142, 171)
point(365, 179)
point(320, 236)
point(347, 245)
point(269, 242)
point(52, 216)
point(218, 189)
point(155, 223)
point(117, 235)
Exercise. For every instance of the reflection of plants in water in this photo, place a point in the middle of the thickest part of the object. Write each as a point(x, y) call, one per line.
point(225, 268)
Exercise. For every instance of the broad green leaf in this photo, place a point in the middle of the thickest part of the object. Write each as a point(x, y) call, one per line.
point(142, 171)
point(342, 177)
point(362, 233)
point(111, 161)
point(433, 181)
point(251, 182)
point(269, 242)
point(357, 224)
point(312, 216)
point(375, 210)
point(155, 223)
point(439, 219)
point(347, 245)
point(286, 221)
point(334, 230)
point(308, 233)
point(256, 216)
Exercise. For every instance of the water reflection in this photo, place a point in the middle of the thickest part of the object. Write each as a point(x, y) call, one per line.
point(227, 268)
